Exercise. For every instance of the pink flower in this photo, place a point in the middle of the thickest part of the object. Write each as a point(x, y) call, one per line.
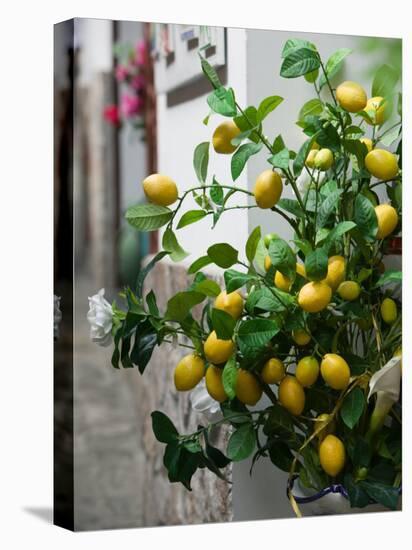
point(140, 52)
point(121, 73)
point(111, 114)
point(131, 105)
point(138, 82)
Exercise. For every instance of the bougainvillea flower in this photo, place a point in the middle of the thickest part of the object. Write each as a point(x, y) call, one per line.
point(140, 53)
point(121, 73)
point(111, 114)
point(131, 105)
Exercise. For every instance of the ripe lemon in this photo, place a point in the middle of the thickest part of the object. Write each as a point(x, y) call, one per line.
point(268, 189)
point(307, 371)
point(248, 390)
point(349, 290)
point(336, 271)
point(382, 164)
point(301, 337)
point(189, 372)
point(332, 455)
point(232, 303)
point(323, 159)
point(335, 371)
point(368, 143)
point(160, 190)
point(282, 282)
point(222, 137)
point(376, 108)
point(314, 296)
point(214, 384)
point(351, 96)
point(323, 426)
point(300, 269)
point(217, 351)
point(389, 311)
point(273, 371)
point(310, 159)
point(268, 263)
point(315, 145)
point(387, 220)
point(291, 395)
point(269, 238)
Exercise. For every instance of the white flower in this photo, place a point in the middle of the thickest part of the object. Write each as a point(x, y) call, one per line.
point(100, 317)
point(386, 383)
point(57, 315)
point(305, 180)
point(203, 403)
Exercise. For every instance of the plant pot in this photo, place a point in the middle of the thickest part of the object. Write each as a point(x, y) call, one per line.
point(329, 501)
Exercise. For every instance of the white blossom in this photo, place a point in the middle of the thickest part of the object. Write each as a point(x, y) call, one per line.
point(57, 315)
point(386, 383)
point(203, 403)
point(304, 181)
point(100, 317)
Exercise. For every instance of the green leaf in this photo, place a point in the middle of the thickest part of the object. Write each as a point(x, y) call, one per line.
point(278, 144)
point(312, 76)
point(229, 377)
point(358, 498)
point(384, 494)
point(357, 148)
point(316, 265)
point(294, 44)
point(292, 206)
point(333, 65)
point(223, 324)
point(328, 207)
point(311, 107)
point(252, 242)
point(304, 246)
point(198, 264)
point(299, 62)
point(266, 299)
point(365, 217)
point(282, 257)
point(280, 159)
point(223, 255)
point(268, 105)
point(146, 270)
point(235, 279)
point(152, 303)
point(336, 233)
point(391, 136)
point(201, 161)
point(171, 245)
point(144, 344)
point(241, 443)
point(280, 455)
point(256, 333)
point(222, 101)
point(216, 192)
point(179, 306)
point(241, 156)
point(191, 216)
point(300, 159)
point(163, 427)
point(352, 408)
point(279, 421)
point(210, 73)
point(148, 217)
point(390, 276)
point(208, 287)
point(385, 81)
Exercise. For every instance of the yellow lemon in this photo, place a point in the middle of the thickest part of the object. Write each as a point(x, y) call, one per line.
point(324, 426)
point(335, 371)
point(323, 159)
point(268, 263)
point(217, 351)
point(307, 371)
point(332, 455)
point(315, 145)
point(310, 159)
point(268, 189)
point(248, 390)
point(214, 384)
point(300, 269)
point(387, 220)
point(314, 296)
point(301, 337)
point(222, 137)
point(160, 190)
point(351, 96)
point(232, 303)
point(282, 282)
point(349, 290)
point(368, 143)
point(382, 164)
point(376, 108)
point(291, 395)
point(336, 271)
point(389, 311)
point(273, 371)
point(189, 372)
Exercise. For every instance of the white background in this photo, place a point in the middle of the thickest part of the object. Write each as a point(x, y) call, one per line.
point(26, 271)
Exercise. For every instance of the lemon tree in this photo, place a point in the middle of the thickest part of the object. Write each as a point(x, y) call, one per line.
point(309, 323)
